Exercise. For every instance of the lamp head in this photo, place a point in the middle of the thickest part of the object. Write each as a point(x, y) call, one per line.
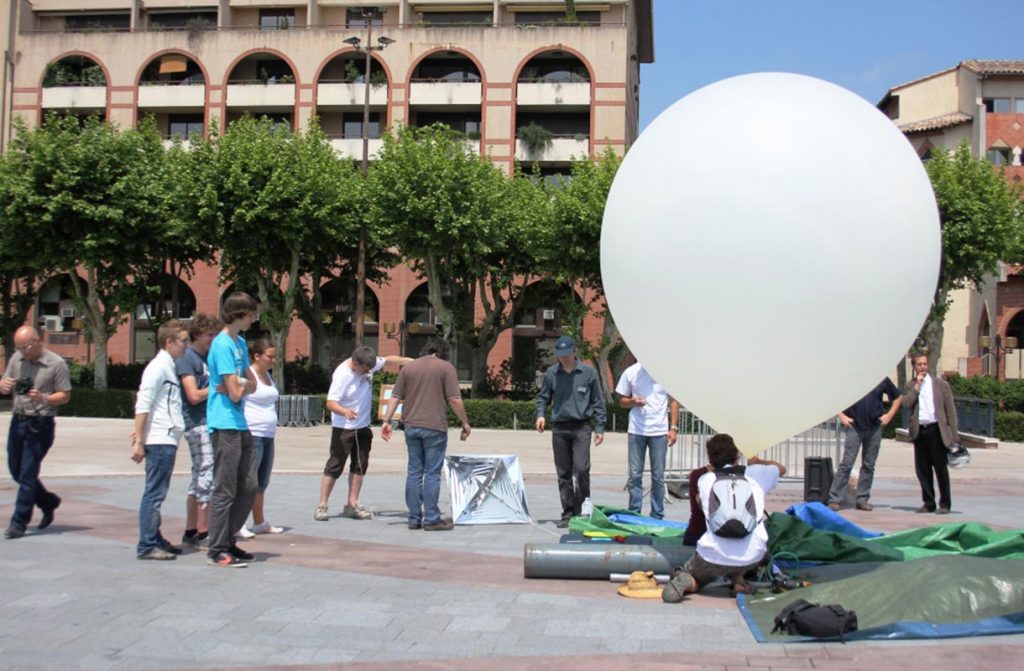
point(385, 41)
point(353, 41)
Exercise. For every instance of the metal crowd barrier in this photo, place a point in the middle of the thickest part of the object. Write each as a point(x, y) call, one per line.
point(299, 410)
point(823, 440)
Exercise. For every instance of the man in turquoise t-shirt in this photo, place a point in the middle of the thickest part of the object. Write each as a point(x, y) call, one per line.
point(234, 468)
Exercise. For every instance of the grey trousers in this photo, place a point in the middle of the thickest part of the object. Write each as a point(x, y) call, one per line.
point(871, 439)
point(234, 486)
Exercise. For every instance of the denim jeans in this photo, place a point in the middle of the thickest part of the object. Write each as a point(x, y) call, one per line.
point(871, 439)
point(263, 453)
point(28, 441)
point(159, 465)
point(638, 446)
point(423, 483)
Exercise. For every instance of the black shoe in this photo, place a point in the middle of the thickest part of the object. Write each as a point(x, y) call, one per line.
point(413, 526)
point(171, 549)
point(14, 532)
point(225, 560)
point(562, 524)
point(239, 553)
point(157, 554)
point(47, 519)
point(440, 525)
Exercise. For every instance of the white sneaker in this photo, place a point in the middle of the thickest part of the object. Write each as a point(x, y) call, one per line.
point(244, 534)
point(266, 528)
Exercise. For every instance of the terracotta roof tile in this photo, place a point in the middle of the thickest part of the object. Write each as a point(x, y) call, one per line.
point(992, 67)
point(936, 123)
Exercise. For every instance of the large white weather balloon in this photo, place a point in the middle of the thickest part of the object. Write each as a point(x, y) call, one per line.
point(769, 252)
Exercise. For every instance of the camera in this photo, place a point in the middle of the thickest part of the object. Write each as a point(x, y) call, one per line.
point(23, 385)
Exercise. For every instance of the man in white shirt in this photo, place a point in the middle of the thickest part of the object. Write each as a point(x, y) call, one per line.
point(349, 402)
point(653, 423)
point(933, 428)
point(720, 556)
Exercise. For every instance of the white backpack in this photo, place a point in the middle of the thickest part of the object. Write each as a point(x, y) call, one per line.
point(732, 512)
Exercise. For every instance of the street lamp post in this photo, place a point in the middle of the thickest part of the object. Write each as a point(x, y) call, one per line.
point(369, 14)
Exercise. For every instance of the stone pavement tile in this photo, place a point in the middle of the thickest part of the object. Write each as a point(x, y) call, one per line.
point(806, 651)
point(771, 658)
point(478, 623)
point(353, 618)
point(185, 624)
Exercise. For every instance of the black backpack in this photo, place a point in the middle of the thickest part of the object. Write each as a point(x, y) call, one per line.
point(809, 619)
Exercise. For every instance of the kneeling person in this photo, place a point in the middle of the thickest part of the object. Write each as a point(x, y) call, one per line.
point(736, 539)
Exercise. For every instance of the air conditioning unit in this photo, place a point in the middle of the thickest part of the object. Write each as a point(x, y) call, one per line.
point(549, 314)
point(53, 323)
point(67, 313)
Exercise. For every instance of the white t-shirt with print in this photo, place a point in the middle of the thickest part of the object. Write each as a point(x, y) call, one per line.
point(651, 418)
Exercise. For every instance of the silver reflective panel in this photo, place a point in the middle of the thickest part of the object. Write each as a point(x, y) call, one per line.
point(486, 489)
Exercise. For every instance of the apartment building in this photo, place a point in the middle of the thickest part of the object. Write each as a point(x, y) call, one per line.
point(487, 68)
point(980, 102)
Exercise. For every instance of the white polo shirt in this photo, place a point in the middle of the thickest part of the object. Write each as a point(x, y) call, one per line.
point(651, 418)
point(350, 390)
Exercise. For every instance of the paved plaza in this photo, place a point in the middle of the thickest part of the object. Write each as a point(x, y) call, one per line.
point(373, 595)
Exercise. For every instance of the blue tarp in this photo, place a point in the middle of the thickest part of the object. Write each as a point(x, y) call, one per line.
point(820, 516)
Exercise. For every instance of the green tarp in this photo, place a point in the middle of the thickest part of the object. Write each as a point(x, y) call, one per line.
point(950, 595)
point(790, 535)
point(599, 522)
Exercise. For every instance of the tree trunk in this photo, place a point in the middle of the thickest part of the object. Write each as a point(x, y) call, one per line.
point(934, 329)
point(612, 339)
point(435, 294)
point(96, 322)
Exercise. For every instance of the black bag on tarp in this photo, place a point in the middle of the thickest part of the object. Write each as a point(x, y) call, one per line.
point(804, 618)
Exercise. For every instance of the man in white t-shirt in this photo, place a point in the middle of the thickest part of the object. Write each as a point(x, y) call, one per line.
point(653, 423)
point(349, 402)
point(718, 556)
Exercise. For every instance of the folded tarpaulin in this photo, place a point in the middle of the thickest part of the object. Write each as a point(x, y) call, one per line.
point(934, 597)
point(968, 538)
point(788, 534)
point(820, 516)
point(631, 525)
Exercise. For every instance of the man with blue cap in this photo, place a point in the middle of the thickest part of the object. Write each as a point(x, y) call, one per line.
point(571, 387)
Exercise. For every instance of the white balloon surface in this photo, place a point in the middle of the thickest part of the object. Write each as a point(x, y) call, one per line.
point(770, 250)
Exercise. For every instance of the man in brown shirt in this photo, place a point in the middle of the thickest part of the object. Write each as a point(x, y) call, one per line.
point(426, 387)
point(39, 380)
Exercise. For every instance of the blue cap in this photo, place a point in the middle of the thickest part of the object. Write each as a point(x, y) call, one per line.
point(565, 346)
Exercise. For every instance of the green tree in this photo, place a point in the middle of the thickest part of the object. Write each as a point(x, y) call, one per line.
point(443, 206)
point(21, 261)
point(95, 199)
point(266, 197)
point(334, 257)
point(572, 254)
point(982, 221)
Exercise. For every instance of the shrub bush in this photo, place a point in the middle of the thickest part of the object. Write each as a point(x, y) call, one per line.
point(302, 376)
point(119, 375)
point(1010, 426)
point(86, 402)
point(1008, 395)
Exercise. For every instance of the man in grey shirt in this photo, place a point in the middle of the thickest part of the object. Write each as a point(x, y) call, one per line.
point(572, 389)
point(39, 380)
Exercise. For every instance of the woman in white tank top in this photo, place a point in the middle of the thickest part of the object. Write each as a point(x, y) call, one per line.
point(261, 416)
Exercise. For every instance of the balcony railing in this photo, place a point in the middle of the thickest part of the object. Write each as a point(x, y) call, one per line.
point(349, 93)
point(172, 95)
point(256, 94)
point(562, 148)
point(558, 26)
point(75, 97)
point(553, 93)
point(445, 93)
point(352, 147)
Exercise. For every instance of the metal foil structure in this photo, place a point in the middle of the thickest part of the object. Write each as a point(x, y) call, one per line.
point(486, 489)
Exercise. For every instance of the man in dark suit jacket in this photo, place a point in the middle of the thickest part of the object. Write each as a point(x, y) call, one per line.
point(933, 429)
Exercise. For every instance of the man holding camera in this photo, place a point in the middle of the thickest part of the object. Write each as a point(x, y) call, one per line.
point(39, 380)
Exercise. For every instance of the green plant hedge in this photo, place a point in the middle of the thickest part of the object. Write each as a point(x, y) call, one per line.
point(1008, 395)
point(118, 403)
point(1010, 426)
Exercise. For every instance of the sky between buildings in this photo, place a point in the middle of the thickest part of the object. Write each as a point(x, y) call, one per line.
point(866, 46)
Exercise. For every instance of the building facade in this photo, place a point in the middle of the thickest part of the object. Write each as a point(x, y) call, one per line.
point(980, 102)
point(486, 68)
